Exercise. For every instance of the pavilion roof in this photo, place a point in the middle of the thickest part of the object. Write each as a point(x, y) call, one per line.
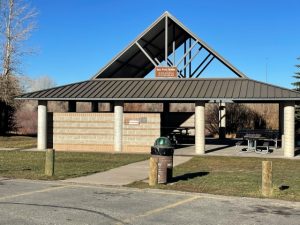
point(204, 89)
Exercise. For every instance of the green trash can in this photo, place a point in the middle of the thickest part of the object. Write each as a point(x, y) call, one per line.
point(164, 151)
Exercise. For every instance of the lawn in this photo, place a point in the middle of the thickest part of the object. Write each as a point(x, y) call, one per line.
point(233, 176)
point(30, 165)
point(17, 142)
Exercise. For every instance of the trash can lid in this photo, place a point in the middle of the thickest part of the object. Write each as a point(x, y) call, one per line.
point(162, 142)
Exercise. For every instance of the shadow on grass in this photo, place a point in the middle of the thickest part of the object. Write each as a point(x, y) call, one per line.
point(188, 176)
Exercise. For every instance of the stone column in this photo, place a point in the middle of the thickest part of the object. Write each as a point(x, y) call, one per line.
point(200, 128)
point(71, 106)
point(42, 125)
point(222, 121)
point(289, 129)
point(118, 126)
point(94, 106)
point(281, 123)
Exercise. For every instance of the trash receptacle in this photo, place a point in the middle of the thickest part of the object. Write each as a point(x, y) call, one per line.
point(164, 151)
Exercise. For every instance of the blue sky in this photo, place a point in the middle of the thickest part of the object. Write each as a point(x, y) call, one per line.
point(75, 38)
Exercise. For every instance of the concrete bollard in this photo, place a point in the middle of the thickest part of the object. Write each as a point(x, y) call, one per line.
point(266, 186)
point(49, 162)
point(153, 179)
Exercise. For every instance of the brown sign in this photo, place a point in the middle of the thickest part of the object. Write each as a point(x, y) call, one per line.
point(168, 72)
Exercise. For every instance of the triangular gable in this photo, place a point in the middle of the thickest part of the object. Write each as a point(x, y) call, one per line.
point(141, 56)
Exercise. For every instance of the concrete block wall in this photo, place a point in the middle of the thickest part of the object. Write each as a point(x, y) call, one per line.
point(94, 131)
point(82, 131)
point(140, 131)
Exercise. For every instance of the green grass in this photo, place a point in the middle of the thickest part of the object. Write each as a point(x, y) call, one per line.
point(30, 165)
point(234, 176)
point(17, 142)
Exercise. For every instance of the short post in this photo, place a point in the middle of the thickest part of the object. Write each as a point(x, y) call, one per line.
point(153, 179)
point(49, 163)
point(266, 186)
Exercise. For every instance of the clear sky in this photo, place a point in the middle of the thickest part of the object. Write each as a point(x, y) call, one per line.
point(75, 38)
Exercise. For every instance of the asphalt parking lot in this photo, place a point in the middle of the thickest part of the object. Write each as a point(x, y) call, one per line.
point(42, 202)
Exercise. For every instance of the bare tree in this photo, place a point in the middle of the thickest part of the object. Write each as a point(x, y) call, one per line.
point(42, 82)
point(16, 24)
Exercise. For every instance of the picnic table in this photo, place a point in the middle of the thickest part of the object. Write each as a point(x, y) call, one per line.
point(252, 141)
point(265, 134)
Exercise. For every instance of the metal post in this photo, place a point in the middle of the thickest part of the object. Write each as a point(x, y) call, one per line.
point(281, 124)
point(222, 121)
point(190, 56)
point(186, 52)
point(184, 58)
point(191, 59)
point(174, 45)
point(166, 40)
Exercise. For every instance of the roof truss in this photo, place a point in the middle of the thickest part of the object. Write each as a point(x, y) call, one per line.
point(157, 46)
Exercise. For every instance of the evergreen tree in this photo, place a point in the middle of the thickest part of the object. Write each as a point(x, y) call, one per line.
point(296, 85)
point(297, 76)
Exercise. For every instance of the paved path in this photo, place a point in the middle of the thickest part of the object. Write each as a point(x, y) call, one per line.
point(24, 202)
point(123, 175)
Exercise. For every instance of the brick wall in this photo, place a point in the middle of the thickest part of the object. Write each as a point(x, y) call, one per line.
point(94, 131)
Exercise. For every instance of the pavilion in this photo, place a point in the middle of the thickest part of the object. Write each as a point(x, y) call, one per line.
point(178, 58)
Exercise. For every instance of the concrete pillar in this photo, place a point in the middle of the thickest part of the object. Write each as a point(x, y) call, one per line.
point(281, 123)
point(200, 128)
point(289, 129)
point(222, 121)
point(42, 125)
point(118, 126)
point(71, 106)
point(95, 107)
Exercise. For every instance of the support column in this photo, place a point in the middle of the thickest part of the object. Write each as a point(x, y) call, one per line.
point(222, 121)
point(71, 106)
point(281, 123)
point(95, 107)
point(200, 128)
point(118, 126)
point(42, 125)
point(289, 129)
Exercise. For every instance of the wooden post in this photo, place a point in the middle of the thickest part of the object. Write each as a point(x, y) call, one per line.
point(49, 163)
point(266, 186)
point(153, 179)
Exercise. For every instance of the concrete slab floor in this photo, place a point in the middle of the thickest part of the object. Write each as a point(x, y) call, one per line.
point(227, 150)
point(44, 202)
